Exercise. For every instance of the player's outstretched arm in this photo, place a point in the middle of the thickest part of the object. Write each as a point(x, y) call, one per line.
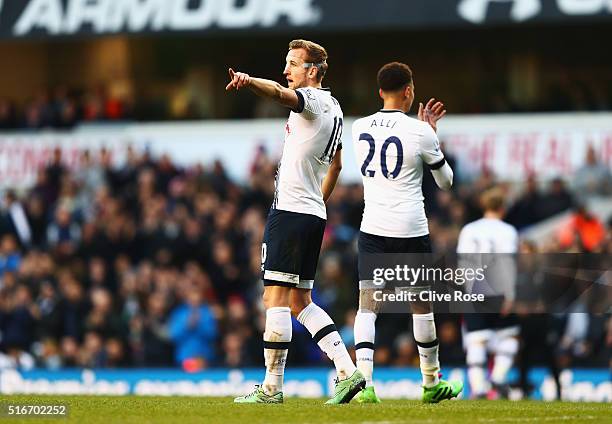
point(431, 113)
point(263, 88)
point(329, 182)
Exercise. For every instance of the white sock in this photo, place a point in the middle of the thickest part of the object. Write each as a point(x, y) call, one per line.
point(277, 336)
point(365, 330)
point(324, 332)
point(476, 359)
point(424, 330)
point(478, 380)
point(505, 352)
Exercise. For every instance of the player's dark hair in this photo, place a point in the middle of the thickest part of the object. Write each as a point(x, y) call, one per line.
point(394, 76)
point(316, 54)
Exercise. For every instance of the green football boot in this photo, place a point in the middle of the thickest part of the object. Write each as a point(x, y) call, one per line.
point(259, 396)
point(441, 391)
point(347, 388)
point(367, 395)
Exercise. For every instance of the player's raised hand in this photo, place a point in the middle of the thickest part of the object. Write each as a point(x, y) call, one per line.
point(432, 112)
point(237, 80)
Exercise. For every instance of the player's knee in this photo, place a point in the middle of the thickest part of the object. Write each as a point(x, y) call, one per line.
point(297, 307)
point(274, 296)
point(298, 304)
point(267, 298)
point(421, 308)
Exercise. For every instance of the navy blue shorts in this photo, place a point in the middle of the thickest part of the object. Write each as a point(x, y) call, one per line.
point(478, 322)
point(369, 243)
point(290, 249)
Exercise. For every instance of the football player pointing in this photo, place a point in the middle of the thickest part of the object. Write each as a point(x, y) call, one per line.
point(305, 179)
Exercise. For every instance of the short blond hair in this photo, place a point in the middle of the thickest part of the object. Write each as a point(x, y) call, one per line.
point(493, 200)
point(315, 53)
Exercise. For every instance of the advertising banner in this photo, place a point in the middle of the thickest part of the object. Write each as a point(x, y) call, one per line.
point(66, 18)
point(511, 146)
point(592, 385)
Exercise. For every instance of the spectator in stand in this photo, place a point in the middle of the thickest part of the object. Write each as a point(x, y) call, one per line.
point(49, 325)
point(10, 257)
point(90, 176)
point(63, 234)
point(114, 107)
point(93, 107)
point(74, 308)
point(36, 213)
point(593, 178)
point(64, 109)
point(17, 325)
point(193, 329)
point(14, 221)
point(69, 352)
point(103, 319)
point(558, 199)
point(32, 119)
point(92, 353)
point(157, 346)
point(115, 353)
point(526, 209)
point(582, 231)
point(8, 116)
point(54, 172)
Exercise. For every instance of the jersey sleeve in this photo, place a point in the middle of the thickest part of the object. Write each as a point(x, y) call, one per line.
point(309, 106)
point(430, 149)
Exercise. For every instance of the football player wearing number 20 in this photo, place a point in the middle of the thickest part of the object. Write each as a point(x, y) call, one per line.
point(305, 179)
point(392, 149)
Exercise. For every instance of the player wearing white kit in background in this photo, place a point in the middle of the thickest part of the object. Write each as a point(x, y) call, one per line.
point(392, 150)
point(495, 333)
point(306, 177)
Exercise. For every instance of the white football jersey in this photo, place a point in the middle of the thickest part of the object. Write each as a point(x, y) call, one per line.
point(391, 149)
point(312, 137)
point(488, 235)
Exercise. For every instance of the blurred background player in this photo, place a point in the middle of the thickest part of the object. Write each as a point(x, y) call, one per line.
point(305, 179)
point(494, 333)
point(392, 149)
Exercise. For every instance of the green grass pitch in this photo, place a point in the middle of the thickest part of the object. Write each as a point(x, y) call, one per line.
point(135, 409)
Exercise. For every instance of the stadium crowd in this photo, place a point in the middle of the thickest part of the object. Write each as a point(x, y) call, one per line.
point(148, 264)
point(64, 107)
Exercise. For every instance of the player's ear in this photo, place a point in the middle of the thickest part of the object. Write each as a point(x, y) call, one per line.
point(313, 72)
point(380, 93)
point(408, 91)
